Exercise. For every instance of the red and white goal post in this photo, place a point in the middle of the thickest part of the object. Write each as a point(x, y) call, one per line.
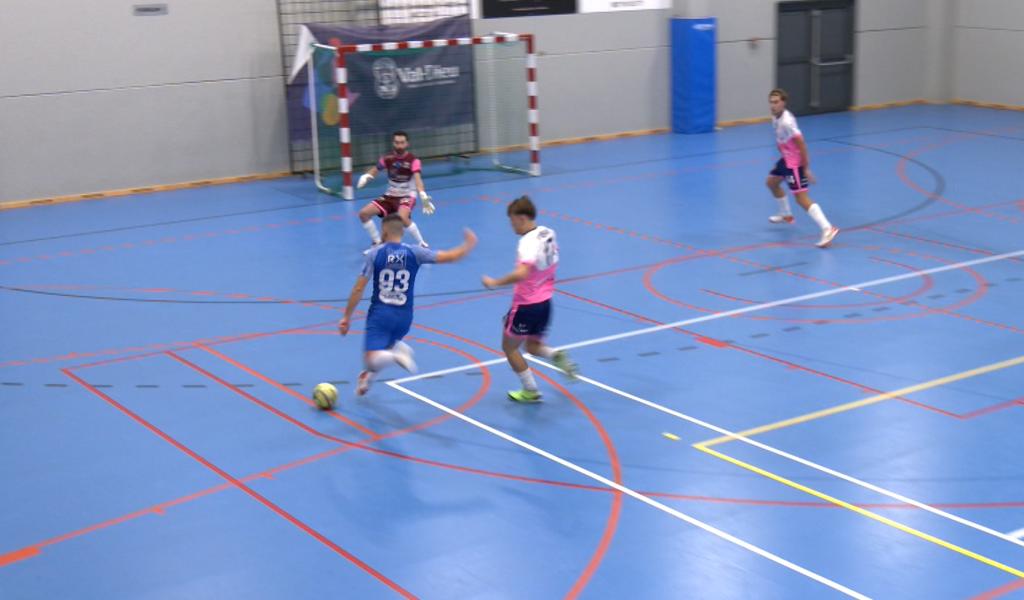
point(504, 105)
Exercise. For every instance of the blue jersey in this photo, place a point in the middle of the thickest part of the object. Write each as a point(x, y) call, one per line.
point(392, 268)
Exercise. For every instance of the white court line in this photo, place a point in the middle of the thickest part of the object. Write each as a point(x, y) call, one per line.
point(625, 490)
point(720, 315)
point(895, 496)
point(734, 312)
point(1016, 534)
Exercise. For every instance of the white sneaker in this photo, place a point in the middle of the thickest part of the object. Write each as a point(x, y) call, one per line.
point(781, 219)
point(403, 356)
point(827, 237)
point(363, 383)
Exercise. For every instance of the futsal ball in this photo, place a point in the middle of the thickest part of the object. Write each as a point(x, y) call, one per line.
point(325, 395)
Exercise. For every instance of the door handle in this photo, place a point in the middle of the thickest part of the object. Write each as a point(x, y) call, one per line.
point(834, 63)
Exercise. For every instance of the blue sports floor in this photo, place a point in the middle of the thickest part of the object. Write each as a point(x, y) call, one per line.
point(758, 418)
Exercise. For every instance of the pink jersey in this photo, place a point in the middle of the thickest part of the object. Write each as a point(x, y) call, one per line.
point(538, 250)
point(786, 135)
point(400, 169)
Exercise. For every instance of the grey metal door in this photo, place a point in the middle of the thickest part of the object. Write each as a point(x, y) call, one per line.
point(815, 54)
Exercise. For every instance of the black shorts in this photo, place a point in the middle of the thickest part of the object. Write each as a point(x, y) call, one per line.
point(796, 178)
point(389, 205)
point(528, 320)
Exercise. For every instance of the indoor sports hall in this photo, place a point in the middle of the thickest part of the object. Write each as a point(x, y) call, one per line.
point(759, 412)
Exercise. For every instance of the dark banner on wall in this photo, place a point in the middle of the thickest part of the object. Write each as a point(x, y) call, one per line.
point(527, 8)
point(396, 89)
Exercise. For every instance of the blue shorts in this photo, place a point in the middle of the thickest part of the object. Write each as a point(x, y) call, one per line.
point(385, 327)
point(528, 320)
point(796, 178)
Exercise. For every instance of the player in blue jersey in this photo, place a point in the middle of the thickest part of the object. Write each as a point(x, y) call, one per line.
point(392, 267)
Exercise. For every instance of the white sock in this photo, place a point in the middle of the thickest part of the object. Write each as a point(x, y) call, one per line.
point(371, 229)
point(379, 359)
point(528, 381)
point(819, 217)
point(414, 231)
point(544, 352)
point(783, 205)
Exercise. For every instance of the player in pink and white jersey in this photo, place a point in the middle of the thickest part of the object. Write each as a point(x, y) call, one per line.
point(534, 279)
point(795, 168)
point(404, 182)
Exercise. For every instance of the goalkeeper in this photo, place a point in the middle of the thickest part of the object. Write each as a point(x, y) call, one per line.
point(404, 183)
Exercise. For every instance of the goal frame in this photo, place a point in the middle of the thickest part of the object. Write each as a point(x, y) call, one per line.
point(341, 74)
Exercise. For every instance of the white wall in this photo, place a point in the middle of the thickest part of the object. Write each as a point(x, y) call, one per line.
point(890, 61)
point(891, 58)
point(988, 51)
point(598, 72)
point(93, 98)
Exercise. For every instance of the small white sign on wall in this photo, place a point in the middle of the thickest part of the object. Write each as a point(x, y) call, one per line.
point(591, 6)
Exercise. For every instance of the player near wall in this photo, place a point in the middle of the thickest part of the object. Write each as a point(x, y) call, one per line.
point(795, 168)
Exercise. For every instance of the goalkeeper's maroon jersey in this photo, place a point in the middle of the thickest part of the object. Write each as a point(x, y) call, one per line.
point(399, 168)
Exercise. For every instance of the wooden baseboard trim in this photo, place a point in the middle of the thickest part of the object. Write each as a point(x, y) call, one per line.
point(995, 105)
point(139, 190)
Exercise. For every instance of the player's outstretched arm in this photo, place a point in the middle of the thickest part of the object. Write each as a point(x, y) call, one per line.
point(518, 274)
point(353, 300)
point(456, 253)
point(367, 177)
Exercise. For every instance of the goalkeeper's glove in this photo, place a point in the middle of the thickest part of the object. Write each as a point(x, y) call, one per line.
point(364, 179)
point(428, 206)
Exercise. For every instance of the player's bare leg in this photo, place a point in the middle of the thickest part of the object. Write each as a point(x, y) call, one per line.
point(559, 357)
point(774, 183)
point(366, 215)
point(529, 392)
point(377, 360)
point(828, 231)
point(414, 230)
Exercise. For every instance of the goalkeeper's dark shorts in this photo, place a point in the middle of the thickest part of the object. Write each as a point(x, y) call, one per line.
point(389, 205)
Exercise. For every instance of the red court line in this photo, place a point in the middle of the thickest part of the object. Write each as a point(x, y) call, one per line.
point(980, 291)
point(1001, 591)
point(160, 509)
point(901, 171)
point(613, 458)
point(752, 352)
point(951, 213)
point(719, 344)
point(241, 486)
point(333, 413)
point(925, 240)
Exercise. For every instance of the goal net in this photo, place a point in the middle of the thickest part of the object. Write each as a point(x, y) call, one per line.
point(469, 103)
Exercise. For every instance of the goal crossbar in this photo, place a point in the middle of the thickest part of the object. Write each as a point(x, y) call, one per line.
point(344, 130)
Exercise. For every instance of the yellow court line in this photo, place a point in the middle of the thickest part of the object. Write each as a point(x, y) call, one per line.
point(865, 512)
point(865, 402)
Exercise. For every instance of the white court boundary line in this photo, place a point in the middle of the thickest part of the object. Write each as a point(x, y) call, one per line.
point(856, 287)
point(839, 475)
point(634, 494)
point(397, 384)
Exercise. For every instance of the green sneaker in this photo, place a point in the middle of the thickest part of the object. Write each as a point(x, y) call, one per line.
point(524, 396)
point(562, 361)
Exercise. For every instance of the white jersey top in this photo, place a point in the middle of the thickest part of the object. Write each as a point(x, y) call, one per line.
point(538, 249)
point(786, 134)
